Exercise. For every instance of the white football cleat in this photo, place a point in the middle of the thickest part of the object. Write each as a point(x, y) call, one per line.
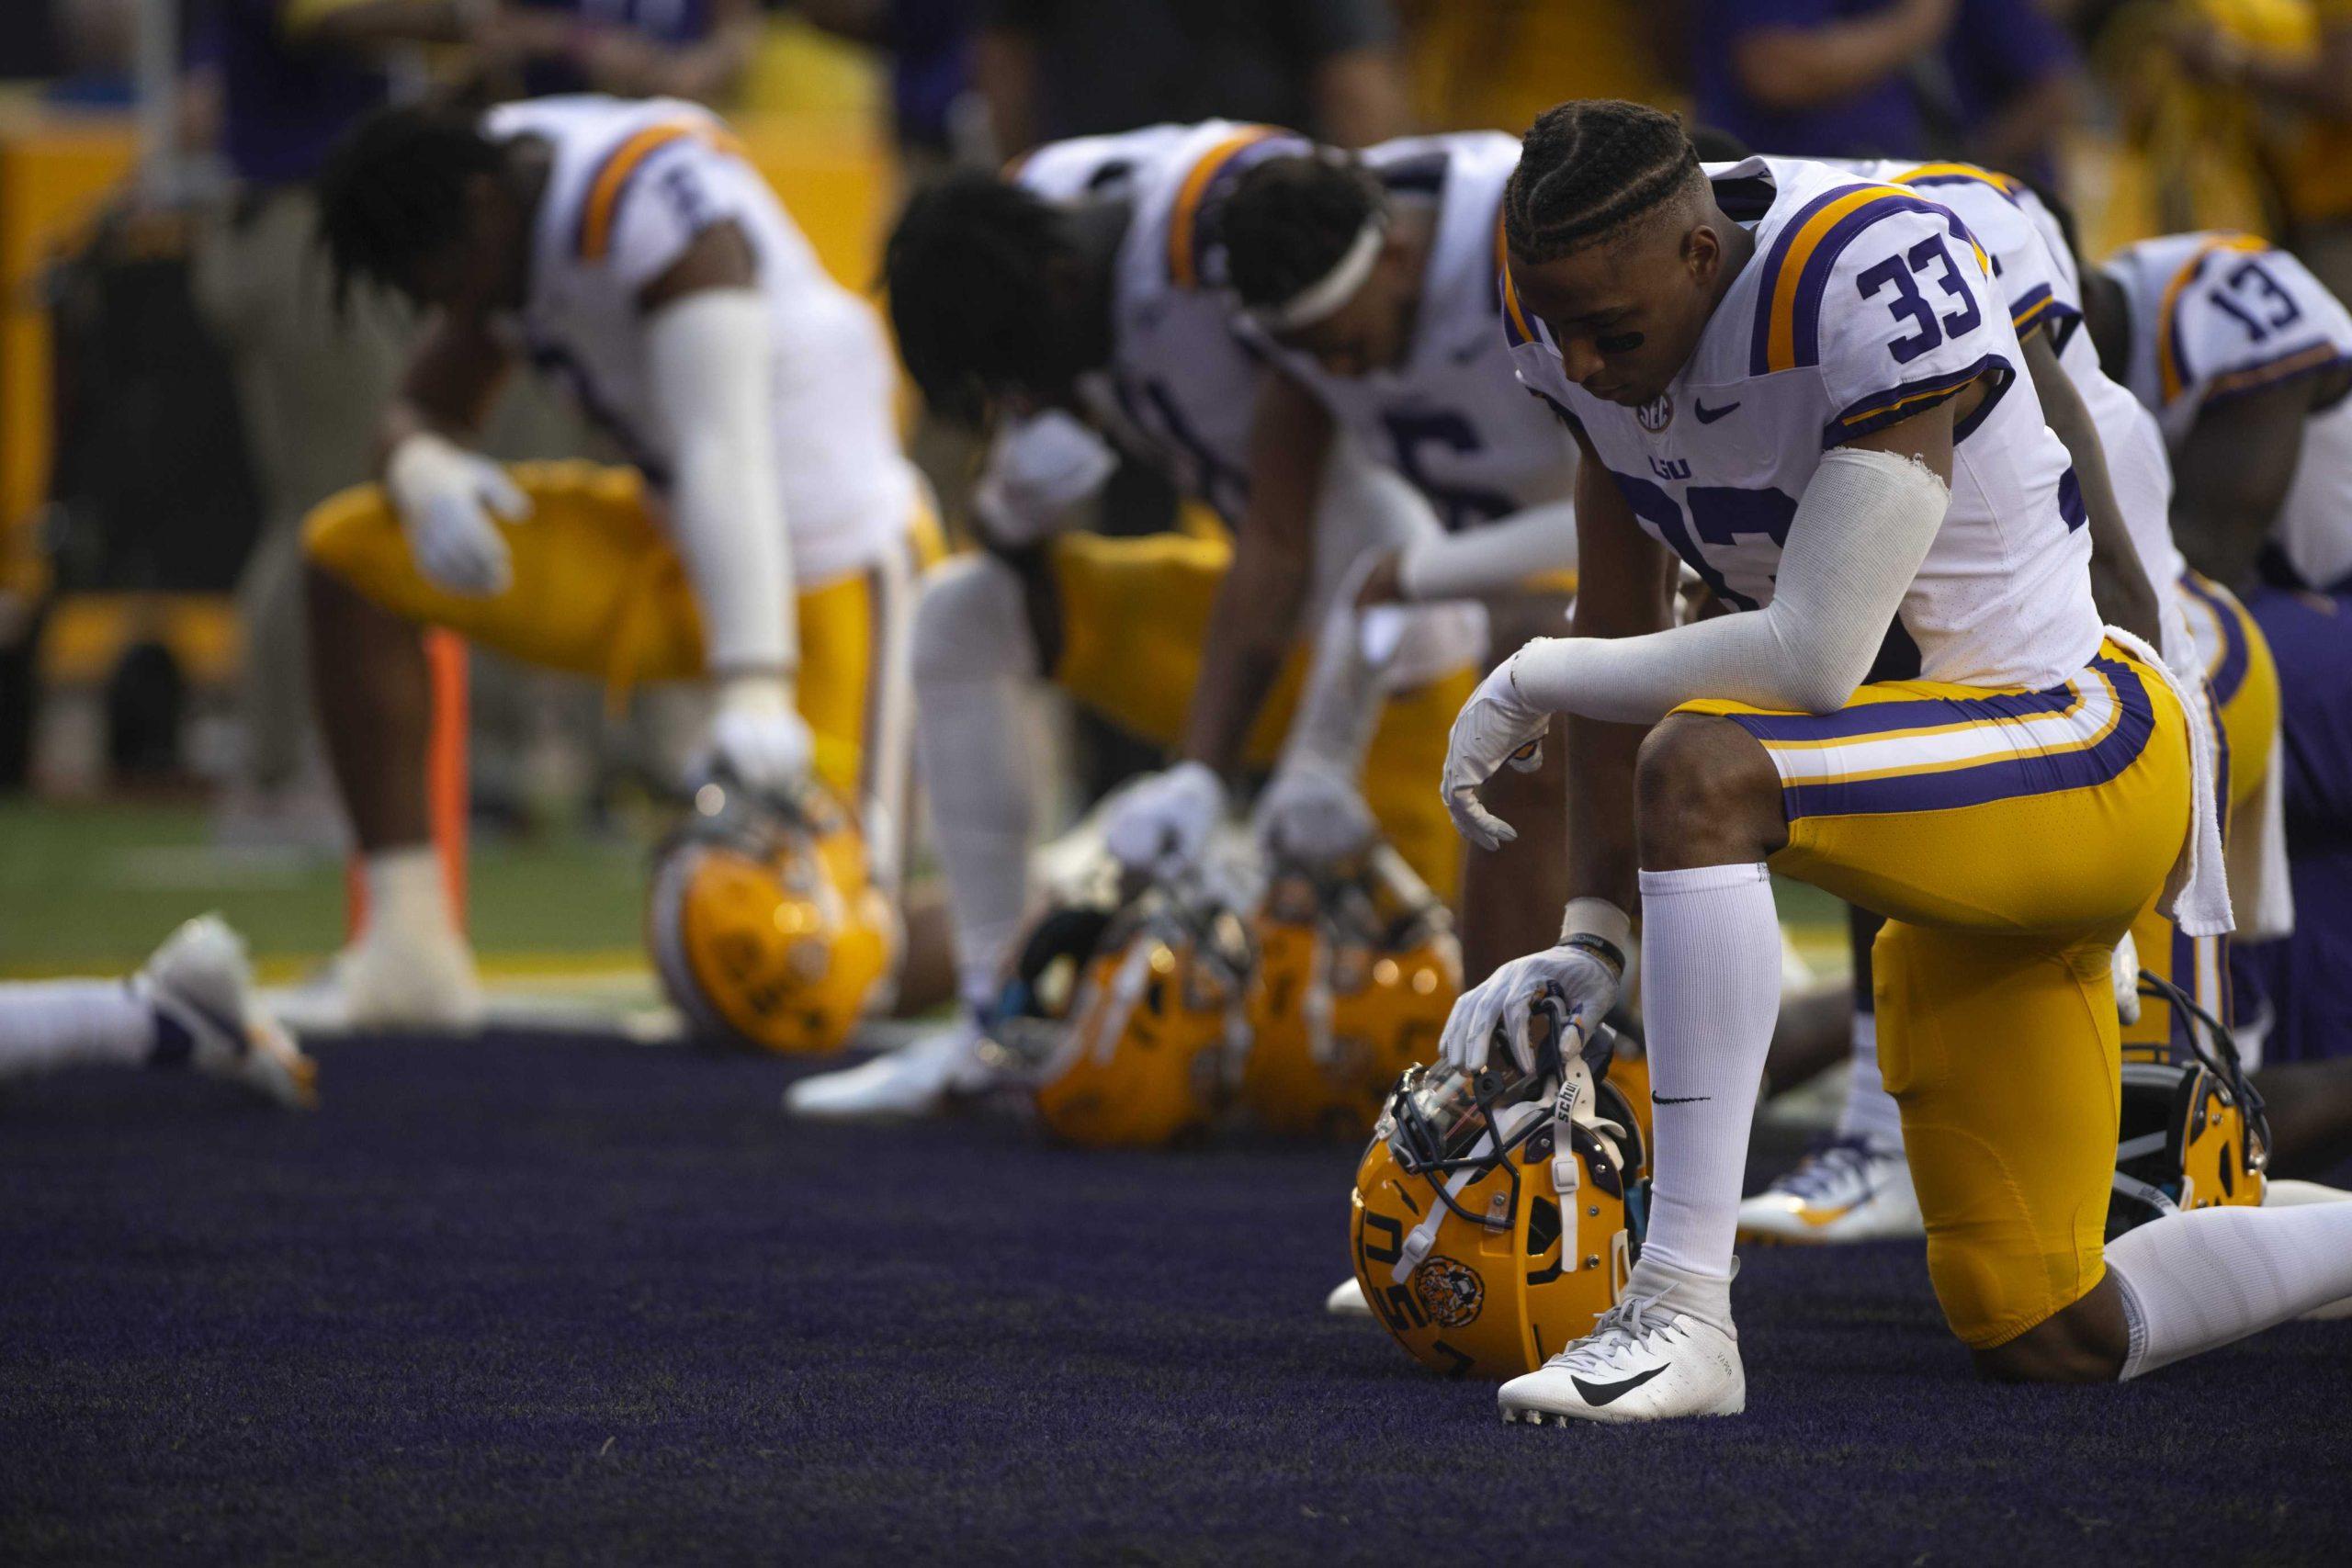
point(409, 975)
point(923, 1078)
point(1643, 1362)
point(1850, 1189)
point(200, 979)
point(1346, 1300)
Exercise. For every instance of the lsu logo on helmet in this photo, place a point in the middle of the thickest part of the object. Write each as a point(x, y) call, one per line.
point(1357, 970)
point(764, 923)
point(1496, 1215)
point(2193, 1135)
point(1122, 1011)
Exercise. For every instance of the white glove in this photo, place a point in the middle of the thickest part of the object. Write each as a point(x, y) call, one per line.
point(759, 736)
point(1587, 982)
point(2127, 980)
point(446, 497)
point(1164, 822)
point(1496, 725)
point(1311, 812)
point(1038, 472)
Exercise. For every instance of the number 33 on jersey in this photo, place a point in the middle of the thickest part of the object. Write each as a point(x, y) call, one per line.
point(1862, 306)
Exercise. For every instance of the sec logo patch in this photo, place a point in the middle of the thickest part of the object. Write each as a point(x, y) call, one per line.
point(1656, 414)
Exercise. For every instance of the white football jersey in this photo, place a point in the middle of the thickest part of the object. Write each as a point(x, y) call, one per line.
point(2034, 271)
point(632, 184)
point(1449, 418)
point(1861, 305)
point(1181, 388)
point(2216, 316)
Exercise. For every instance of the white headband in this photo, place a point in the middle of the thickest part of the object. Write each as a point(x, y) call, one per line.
point(1326, 296)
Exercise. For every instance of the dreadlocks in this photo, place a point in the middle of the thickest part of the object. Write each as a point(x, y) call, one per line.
point(1587, 169)
point(393, 190)
point(1290, 221)
point(974, 269)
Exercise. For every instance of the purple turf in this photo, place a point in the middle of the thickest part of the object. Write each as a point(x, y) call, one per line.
point(562, 1299)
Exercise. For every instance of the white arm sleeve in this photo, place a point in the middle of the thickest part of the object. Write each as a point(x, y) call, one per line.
point(1859, 534)
point(1346, 684)
point(708, 358)
point(1492, 559)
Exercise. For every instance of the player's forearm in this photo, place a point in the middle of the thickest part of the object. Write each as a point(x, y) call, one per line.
point(1603, 846)
point(1339, 707)
point(1004, 68)
point(1256, 618)
point(2232, 478)
point(2321, 82)
point(1494, 560)
point(708, 71)
point(2119, 578)
point(1360, 98)
point(1796, 68)
point(377, 24)
point(708, 365)
point(448, 386)
point(2023, 131)
point(1252, 629)
point(1866, 522)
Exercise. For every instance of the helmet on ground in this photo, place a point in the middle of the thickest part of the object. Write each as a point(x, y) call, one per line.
point(1357, 969)
point(1498, 1213)
point(1122, 1009)
point(765, 925)
point(2193, 1135)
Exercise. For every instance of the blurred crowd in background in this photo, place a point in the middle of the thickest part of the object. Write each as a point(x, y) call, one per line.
point(178, 386)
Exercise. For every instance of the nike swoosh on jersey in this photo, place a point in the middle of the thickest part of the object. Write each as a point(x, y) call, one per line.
point(1610, 1393)
point(1709, 416)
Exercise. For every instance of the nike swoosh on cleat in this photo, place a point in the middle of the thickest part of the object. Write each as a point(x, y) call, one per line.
point(1709, 416)
point(1678, 1098)
point(1611, 1392)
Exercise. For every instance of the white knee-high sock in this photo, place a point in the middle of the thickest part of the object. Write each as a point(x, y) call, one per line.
point(972, 658)
point(51, 1024)
point(1869, 1112)
point(1711, 990)
point(2197, 1281)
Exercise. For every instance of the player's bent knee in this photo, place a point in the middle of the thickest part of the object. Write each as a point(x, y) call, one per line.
point(2084, 1341)
point(970, 623)
point(1707, 795)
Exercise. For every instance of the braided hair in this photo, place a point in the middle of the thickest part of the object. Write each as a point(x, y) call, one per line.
point(974, 269)
point(1290, 221)
point(393, 190)
point(1589, 168)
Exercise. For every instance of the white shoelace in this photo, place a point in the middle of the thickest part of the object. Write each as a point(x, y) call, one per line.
point(1622, 1330)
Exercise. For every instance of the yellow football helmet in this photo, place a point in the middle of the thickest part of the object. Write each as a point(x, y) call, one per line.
point(1122, 1011)
point(1498, 1214)
point(1356, 973)
point(2193, 1135)
point(764, 923)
